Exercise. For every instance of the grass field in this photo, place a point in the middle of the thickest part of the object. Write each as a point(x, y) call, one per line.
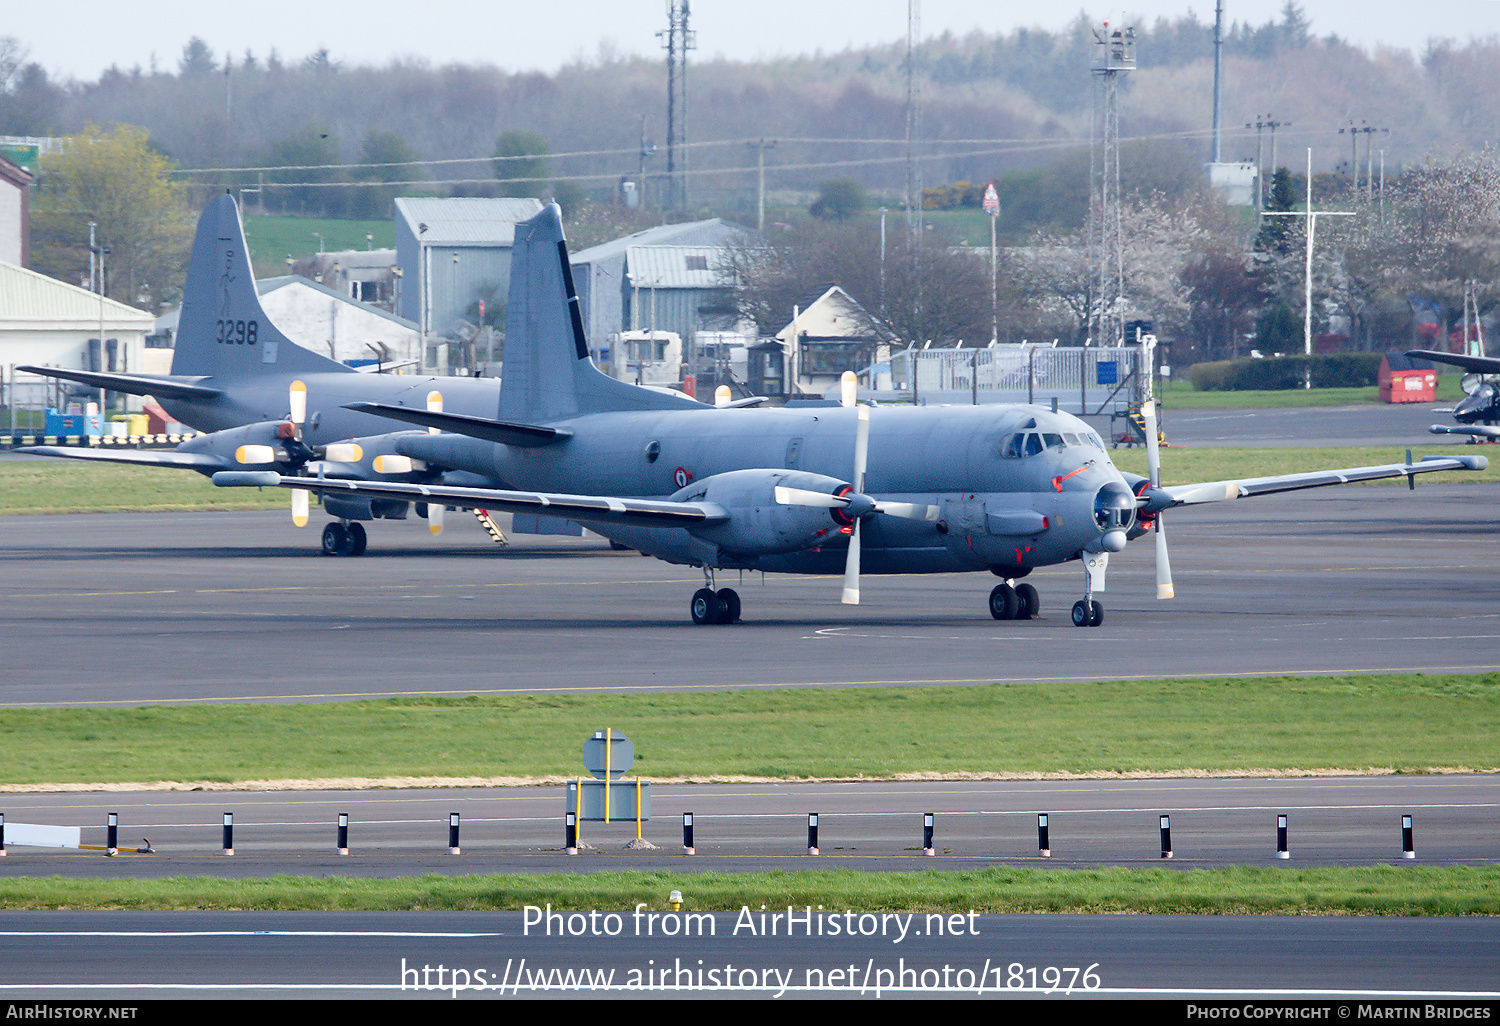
point(273, 239)
point(1141, 727)
point(1375, 890)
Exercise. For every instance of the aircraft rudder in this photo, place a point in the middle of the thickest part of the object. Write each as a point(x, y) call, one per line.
point(222, 329)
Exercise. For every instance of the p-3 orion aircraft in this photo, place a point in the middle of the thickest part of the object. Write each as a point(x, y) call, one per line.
point(270, 404)
point(792, 490)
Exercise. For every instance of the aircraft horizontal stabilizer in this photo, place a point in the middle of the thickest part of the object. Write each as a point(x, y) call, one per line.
point(1477, 430)
point(584, 509)
point(1215, 491)
point(198, 461)
point(525, 436)
point(133, 384)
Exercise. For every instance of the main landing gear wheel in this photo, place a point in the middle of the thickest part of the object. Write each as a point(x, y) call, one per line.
point(1087, 614)
point(1028, 602)
point(335, 540)
point(1003, 604)
point(344, 539)
point(709, 606)
point(729, 605)
point(1014, 603)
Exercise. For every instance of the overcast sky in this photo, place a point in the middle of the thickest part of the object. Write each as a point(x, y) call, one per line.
point(79, 39)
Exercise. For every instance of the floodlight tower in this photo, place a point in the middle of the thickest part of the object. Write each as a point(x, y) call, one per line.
point(1118, 57)
point(913, 120)
point(678, 39)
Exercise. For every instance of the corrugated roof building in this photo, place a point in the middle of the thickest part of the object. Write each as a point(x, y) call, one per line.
point(48, 322)
point(453, 251)
point(617, 281)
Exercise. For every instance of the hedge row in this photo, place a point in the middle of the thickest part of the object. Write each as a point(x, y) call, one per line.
point(1335, 370)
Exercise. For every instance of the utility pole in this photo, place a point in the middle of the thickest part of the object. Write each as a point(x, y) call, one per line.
point(679, 40)
point(760, 187)
point(1258, 125)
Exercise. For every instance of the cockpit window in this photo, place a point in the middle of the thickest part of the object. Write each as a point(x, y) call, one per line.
point(1018, 444)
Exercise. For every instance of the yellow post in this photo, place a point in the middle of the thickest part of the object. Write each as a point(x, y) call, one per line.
point(638, 807)
point(608, 736)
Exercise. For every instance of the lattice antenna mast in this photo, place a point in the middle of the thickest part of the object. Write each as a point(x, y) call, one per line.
point(1118, 56)
point(913, 120)
point(678, 39)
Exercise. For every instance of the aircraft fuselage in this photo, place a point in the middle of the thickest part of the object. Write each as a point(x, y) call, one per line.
point(1007, 512)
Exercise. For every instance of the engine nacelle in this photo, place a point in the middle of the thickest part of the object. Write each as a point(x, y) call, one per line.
point(759, 525)
point(254, 445)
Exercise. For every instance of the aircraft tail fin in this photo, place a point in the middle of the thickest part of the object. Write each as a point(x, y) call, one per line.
point(548, 374)
point(222, 331)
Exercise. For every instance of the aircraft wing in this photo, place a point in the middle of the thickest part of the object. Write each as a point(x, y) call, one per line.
point(1482, 364)
point(201, 462)
point(134, 384)
point(584, 509)
point(524, 436)
point(1216, 491)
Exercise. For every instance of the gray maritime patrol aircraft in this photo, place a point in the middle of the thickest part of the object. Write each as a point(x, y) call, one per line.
point(894, 490)
point(270, 404)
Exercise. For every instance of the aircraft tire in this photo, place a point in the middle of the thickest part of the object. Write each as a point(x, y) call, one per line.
point(1028, 602)
point(335, 540)
point(729, 606)
point(1082, 614)
point(705, 606)
point(357, 539)
point(1003, 604)
point(1096, 615)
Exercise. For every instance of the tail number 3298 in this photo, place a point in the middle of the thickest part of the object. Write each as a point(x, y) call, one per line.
point(237, 333)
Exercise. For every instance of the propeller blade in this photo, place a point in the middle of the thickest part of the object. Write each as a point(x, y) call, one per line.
point(392, 464)
point(434, 405)
point(435, 517)
point(908, 510)
point(851, 569)
point(300, 498)
point(1164, 588)
point(848, 388)
point(297, 396)
point(255, 454)
point(803, 497)
point(344, 452)
point(861, 455)
point(861, 448)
